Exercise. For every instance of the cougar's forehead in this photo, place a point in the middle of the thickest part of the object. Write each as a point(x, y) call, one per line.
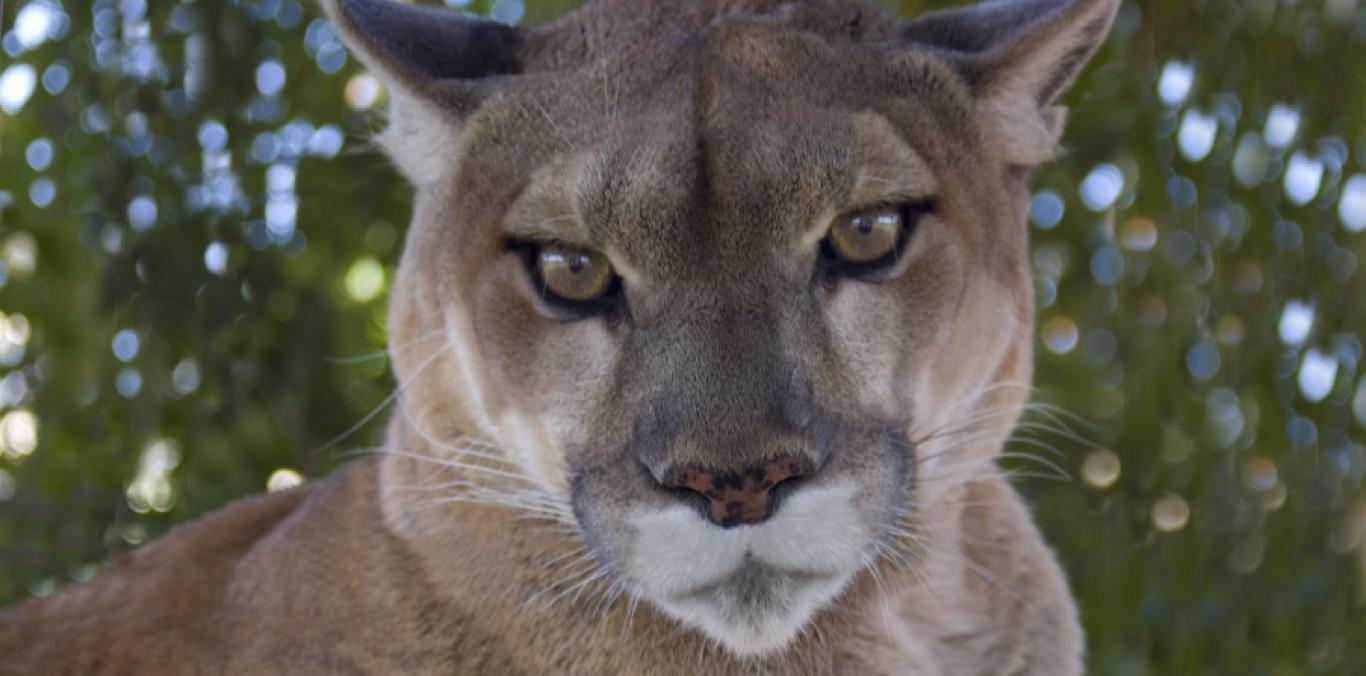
point(699, 183)
point(708, 193)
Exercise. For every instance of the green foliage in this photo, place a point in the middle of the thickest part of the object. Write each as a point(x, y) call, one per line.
point(198, 302)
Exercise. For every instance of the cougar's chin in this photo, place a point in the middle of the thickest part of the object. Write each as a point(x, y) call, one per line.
point(757, 609)
point(752, 588)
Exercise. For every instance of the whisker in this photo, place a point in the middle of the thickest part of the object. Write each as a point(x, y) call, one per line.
point(456, 464)
point(398, 391)
point(1038, 459)
point(381, 354)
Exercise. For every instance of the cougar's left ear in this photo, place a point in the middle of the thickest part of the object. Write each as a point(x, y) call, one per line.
point(1019, 56)
point(437, 65)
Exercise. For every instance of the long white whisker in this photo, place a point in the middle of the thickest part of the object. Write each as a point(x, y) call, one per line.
point(397, 393)
point(381, 354)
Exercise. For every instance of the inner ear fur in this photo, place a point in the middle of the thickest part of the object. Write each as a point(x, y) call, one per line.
point(1018, 57)
point(437, 66)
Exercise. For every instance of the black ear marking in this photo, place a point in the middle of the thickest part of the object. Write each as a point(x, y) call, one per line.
point(1034, 46)
point(419, 46)
point(977, 28)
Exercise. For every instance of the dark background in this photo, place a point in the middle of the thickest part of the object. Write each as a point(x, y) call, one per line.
point(196, 237)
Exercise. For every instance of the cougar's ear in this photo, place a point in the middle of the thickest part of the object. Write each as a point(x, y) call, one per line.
point(437, 65)
point(1019, 56)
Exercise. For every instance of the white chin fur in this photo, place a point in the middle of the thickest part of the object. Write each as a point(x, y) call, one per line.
point(751, 588)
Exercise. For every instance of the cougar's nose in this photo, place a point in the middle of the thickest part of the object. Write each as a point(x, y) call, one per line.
point(740, 498)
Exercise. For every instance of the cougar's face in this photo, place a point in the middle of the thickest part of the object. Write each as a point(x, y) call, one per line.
point(719, 328)
point(728, 287)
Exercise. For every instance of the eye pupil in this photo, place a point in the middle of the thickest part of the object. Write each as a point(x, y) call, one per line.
point(577, 263)
point(863, 224)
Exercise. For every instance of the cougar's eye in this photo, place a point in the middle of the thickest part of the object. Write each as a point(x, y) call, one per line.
point(574, 275)
point(570, 279)
point(870, 239)
point(865, 236)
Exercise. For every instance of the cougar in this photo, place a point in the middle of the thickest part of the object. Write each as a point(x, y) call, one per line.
point(712, 321)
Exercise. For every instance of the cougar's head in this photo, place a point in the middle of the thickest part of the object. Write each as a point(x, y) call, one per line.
point(729, 281)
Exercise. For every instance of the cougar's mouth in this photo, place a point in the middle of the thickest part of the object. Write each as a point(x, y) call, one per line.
point(753, 581)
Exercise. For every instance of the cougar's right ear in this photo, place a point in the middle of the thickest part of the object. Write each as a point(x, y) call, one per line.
point(1018, 56)
point(437, 65)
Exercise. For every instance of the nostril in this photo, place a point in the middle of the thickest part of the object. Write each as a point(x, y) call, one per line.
point(692, 499)
point(696, 482)
point(783, 487)
point(782, 471)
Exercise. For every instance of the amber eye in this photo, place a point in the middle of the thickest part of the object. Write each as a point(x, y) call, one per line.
point(867, 243)
point(867, 235)
point(573, 276)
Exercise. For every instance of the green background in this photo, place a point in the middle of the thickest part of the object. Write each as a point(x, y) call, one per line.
point(194, 256)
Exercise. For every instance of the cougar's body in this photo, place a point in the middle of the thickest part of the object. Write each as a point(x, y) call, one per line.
point(712, 320)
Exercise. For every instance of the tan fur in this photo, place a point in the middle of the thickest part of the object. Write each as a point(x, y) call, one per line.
point(704, 148)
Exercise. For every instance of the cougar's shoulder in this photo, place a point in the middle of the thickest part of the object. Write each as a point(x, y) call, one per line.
point(332, 590)
point(171, 606)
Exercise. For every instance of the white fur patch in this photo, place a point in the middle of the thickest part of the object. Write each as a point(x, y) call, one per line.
point(524, 437)
point(422, 141)
point(751, 588)
point(538, 455)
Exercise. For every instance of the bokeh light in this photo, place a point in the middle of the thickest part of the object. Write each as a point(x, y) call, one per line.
point(18, 434)
point(1175, 83)
point(1101, 468)
point(1102, 187)
point(1170, 513)
point(283, 479)
point(364, 280)
point(17, 82)
point(151, 489)
point(362, 91)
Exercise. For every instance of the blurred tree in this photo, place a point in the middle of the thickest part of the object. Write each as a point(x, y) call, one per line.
point(196, 238)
